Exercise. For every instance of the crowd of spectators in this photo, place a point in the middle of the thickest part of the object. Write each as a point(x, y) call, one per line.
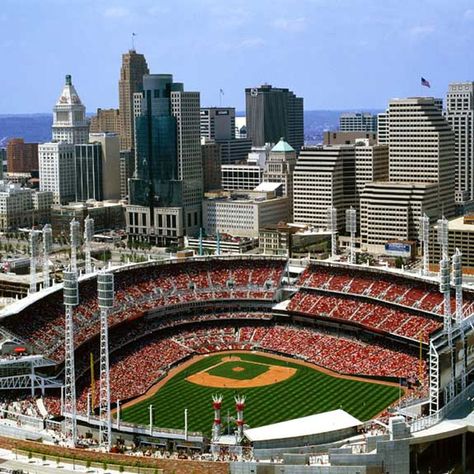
point(141, 290)
point(391, 288)
point(373, 315)
point(138, 366)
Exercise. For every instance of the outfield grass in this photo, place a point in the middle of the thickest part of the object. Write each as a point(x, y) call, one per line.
point(227, 369)
point(308, 392)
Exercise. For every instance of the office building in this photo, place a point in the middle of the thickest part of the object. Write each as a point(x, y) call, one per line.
point(357, 122)
point(110, 144)
point(218, 123)
point(69, 117)
point(323, 177)
point(371, 164)
point(235, 150)
point(89, 177)
point(22, 157)
point(382, 127)
point(421, 174)
point(23, 207)
point(105, 121)
point(134, 67)
point(211, 165)
point(168, 181)
point(273, 113)
point(347, 138)
point(57, 171)
point(127, 168)
point(279, 168)
point(460, 115)
point(245, 214)
point(241, 177)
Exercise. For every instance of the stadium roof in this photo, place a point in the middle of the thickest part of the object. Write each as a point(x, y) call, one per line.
point(309, 425)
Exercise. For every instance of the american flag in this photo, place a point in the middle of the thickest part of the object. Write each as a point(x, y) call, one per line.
point(425, 83)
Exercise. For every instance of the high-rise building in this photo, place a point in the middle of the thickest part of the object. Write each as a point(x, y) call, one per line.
point(22, 157)
point(218, 123)
point(382, 127)
point(244, 177)
point(105, 121)
point(460, 115)
point(211, 165)
point(134, 67)
point(57, 171)
point(324, 177)
point(347, 138)
point(89, 177)
point(421, 174)
point(357, 122)
point(421, 147)
point(273, 113)
point(167, 188)
point(110, 143)
point(127, 168)
point(69, 117)
point(279, 168)
point(3, 162)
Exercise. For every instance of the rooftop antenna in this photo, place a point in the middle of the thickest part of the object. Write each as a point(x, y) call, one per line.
point(133, 41)
point(221, 94)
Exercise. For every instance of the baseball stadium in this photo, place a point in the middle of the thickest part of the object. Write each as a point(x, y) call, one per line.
point(240, 363)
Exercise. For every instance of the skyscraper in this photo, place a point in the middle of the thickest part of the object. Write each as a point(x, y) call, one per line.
point(89, 177)
point(134, 67)
point(460, 115)
point(421, 174)
point(105, 121)
point(69, 117)
point(166, 191)
point(273, 113)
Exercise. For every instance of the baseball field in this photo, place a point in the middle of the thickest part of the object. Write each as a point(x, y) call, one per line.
point(276, 389)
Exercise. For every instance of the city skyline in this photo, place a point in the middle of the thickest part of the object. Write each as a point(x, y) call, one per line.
point(335, 54)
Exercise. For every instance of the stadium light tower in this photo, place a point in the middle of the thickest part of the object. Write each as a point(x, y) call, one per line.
point(47, 247)
point(332, 227)
point(75, 241)
point(457, 282)
point(445, 288)
point(105, 291)
point(34, 255)
point(71, 299)
point(351, 227)
point(216, 426)
point(88, 236)
point(239, 406)
point(425, 238)
point(443, 237)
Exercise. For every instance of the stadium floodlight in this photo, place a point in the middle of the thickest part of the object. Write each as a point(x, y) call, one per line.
point(332, 227)
point(34, 254)
point(216, 425)
point(239, 406)
point(88, 236)
point(75, 242)
point(47, 247)
point(457, 282)
point(105, 291)
point(425, 239)
point(71, 299)
point(351, 227)
point(445, 288)
point(443, 236)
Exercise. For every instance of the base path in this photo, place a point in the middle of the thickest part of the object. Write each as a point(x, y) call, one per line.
point(274, 374)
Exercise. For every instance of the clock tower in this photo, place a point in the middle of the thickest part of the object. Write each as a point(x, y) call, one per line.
point(69, 121)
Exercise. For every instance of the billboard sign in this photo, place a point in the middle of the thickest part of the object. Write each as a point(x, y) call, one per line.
point(398, 249)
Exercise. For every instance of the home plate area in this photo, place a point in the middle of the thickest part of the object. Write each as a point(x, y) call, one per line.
point(233, 372)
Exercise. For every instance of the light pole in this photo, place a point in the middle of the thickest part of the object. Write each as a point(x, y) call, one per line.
point(151, 419)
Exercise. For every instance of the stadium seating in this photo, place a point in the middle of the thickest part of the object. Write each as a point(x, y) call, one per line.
point(141, 290)
point(371, 315)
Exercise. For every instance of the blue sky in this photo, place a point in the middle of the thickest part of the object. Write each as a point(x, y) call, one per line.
point(337, 54)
